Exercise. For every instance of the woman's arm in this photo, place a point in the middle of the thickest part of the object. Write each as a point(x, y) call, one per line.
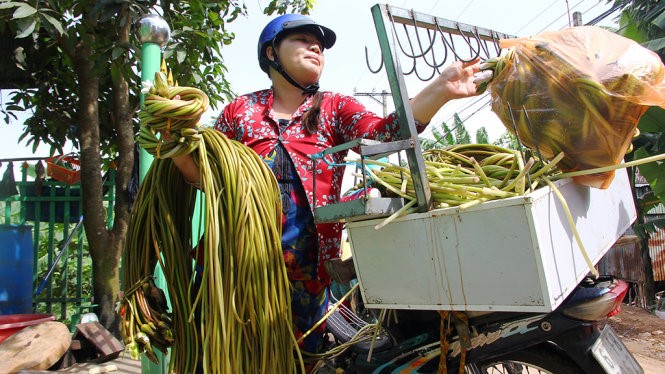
point(186, 164)
point(355, 121)
point(190, 171)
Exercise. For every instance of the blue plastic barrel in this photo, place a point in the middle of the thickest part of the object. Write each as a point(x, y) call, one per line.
point(16, 259)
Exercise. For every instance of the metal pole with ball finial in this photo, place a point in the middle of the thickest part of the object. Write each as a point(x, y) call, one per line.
point(153, 32)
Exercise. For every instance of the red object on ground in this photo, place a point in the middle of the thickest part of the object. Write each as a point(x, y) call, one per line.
point(13, 323)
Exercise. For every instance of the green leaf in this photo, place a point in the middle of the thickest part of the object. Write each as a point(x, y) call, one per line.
point(655, 44)
point(629, 29)
point(14, 107)
point(481, 136)
point(181, 55)
point(653, 120)
point(197, 77)
point(9, 4)
point(19, 56)
point(54, 22)
point(659, 21)
point(117, 52)
point(659, 222)
point(654, 172)
point(26, 28)
point(23, 10)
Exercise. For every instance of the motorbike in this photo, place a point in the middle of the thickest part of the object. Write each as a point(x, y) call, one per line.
point(571, 339)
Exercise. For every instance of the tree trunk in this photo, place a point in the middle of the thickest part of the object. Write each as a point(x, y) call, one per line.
point(123, 113)
point(105, 246)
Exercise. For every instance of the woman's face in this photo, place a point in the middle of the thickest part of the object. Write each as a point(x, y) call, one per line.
point(301, 55)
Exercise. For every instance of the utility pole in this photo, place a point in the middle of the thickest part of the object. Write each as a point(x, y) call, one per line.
point(381, 98)
point(373, 95)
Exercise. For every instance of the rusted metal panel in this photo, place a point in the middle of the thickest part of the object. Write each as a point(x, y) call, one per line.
point(657, 253)
point(623, 260)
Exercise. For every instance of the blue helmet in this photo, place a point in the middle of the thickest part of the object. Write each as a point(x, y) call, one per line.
point(291, 22)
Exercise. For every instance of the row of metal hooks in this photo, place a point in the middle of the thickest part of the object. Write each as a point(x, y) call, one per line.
point(420, 52)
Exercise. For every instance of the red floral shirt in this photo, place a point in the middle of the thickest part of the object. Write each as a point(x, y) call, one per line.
point(249, 119)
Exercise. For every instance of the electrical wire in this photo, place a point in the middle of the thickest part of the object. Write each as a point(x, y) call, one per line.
point(536, 16)
point(464, 10)
point(596, 20)
point(559, 17)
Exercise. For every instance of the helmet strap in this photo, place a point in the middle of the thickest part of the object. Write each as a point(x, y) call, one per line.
point(309, 90)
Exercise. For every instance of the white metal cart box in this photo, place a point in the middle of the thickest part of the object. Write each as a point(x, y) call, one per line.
point(515, 254)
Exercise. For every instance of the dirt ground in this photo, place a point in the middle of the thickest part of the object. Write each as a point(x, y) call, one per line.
point(643, 333)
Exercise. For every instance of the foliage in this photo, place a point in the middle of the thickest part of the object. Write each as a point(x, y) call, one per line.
point(508, 140)
point(64, 280)
point(445, 136)
point(194, 52)
point(461, 135)
point(644, 22)
point(441, 137)
point(481, 136)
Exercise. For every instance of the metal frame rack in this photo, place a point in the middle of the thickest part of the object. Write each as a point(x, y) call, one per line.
point(427, 43)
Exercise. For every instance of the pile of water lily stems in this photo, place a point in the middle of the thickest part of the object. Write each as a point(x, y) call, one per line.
point(465, 175)
point(235, 317)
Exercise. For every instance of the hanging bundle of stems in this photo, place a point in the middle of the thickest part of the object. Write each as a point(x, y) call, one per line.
point(235, 316)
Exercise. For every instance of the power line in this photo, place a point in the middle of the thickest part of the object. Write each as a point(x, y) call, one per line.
point(384, 95)
point(536, 16)
point(434, 6)
point(559, 17)
point(465, 8)
point(604, 15)
point(463, 109)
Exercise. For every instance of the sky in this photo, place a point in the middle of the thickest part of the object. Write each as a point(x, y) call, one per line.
point(346, 70)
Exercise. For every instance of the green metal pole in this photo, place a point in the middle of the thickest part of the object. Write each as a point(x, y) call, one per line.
point(154, 33)
point(151, 58)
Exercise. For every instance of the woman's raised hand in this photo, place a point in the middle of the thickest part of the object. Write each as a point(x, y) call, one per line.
point(458, 79)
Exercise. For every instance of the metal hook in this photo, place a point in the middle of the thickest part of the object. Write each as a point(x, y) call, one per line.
point(482, 44)
point(443, 38)
point(495, 41)
point(423, 51)
point(450, 43)
point(485, 48)
point(517, 136)
point(415, 28)
point(533, 133)
point(373, 71)
point(435, 65)
point(413, 59)
point(468, 42)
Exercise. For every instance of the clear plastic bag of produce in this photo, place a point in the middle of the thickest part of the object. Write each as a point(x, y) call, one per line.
point(580, 91)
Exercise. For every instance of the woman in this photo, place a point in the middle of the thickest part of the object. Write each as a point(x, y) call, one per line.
point(292, 120)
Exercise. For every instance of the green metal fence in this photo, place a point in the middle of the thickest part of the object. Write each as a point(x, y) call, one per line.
point(53, 209)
